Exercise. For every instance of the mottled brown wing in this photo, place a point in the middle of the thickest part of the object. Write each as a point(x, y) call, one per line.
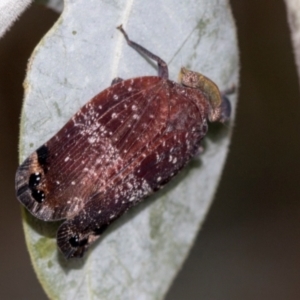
point(147, 169)
point(101, 139)
point(148, 172)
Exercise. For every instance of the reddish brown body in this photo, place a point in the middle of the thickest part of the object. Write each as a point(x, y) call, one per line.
point(125, 143)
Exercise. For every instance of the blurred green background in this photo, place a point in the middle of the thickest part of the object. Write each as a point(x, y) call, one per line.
point(249, 245)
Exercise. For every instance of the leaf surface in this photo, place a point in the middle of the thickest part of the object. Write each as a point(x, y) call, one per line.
point(139, 255)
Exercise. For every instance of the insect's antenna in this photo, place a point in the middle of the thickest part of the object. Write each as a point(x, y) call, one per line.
point(162, 65)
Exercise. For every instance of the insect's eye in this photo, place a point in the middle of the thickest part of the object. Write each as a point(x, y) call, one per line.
point(191, 79)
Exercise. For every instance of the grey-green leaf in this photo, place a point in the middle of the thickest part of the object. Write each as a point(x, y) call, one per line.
point(139, 255)
point(56, 5)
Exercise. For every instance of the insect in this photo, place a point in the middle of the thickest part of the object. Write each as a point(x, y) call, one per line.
point(124, 144)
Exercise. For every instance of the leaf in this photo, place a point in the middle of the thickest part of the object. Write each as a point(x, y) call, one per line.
point(10, 10)
point(139, 255)
point(293, 12)
point(56, 5)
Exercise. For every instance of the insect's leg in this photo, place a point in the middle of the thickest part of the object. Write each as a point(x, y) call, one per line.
point(200, 150)
point(225, 109)
point(116, 80)
point(229, 91)
point(225, 105)
point(162, 66)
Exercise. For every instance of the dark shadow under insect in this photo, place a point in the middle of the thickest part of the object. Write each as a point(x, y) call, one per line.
point(123, 145)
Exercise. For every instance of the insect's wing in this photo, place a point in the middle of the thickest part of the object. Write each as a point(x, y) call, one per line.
point(147, 173)
point(59, 178)
point(170, 144)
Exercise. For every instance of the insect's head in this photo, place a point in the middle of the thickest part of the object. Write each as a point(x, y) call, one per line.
point(220, 108)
